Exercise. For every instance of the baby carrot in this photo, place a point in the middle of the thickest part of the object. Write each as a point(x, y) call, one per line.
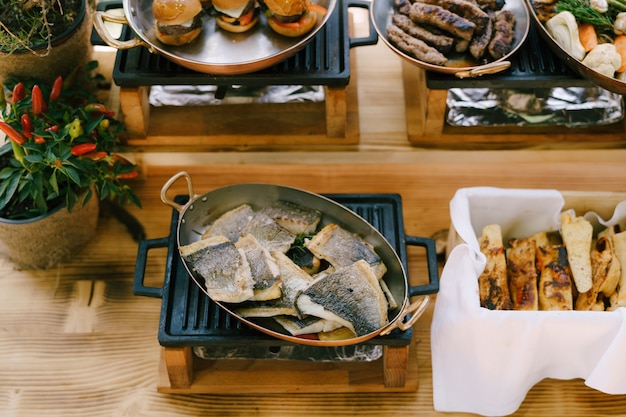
point(588, 36)
point(620, 46)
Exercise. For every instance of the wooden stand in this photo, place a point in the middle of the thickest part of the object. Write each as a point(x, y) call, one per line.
point(180, 372)
point(335, 121)
point(426, 125)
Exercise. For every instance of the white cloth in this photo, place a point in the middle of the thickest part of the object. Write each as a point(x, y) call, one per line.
point(484, 361)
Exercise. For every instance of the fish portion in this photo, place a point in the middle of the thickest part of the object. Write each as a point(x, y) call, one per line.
point(350, 296)
point(223, 267)
point(231, 223)
point(264, 271)
point(342, 248)
point(294, 281)
point(272, 235)
point(296, 219)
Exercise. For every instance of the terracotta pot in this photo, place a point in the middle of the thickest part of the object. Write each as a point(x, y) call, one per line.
point(45, 241)
point(69, 50)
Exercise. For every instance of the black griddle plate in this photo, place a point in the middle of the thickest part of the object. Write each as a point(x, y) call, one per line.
point(190, 318)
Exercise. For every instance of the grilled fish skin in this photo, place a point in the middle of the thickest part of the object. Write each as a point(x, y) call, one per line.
point(294, 280)
point(350, 296)
point(341, 248)
point(269, 233)
point(231, 223)
point(223, 267)
point(264, 271)
point(293, 217)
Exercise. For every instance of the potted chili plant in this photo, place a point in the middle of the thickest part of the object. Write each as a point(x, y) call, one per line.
point(41, 39)
point(57, 162)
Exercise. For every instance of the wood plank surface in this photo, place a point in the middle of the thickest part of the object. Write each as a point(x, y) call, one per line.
point(77, 342)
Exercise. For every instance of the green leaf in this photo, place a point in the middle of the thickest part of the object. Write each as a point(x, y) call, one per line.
point(53, 182)
point(7, 194)
point(73, 175)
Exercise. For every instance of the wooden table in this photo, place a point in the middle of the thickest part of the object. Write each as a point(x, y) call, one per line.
point(77, 342)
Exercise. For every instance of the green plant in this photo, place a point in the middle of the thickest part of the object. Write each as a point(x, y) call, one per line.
point(60, 143)
point(28, 24)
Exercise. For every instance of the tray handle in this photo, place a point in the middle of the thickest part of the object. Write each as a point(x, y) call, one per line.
point(99, 19)
point(372, 38)
point(433, 268)
point(139, 288)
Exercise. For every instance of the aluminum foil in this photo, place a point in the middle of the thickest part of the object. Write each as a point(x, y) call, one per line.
point(204, 95)
point(351, 353)
point(569, 107)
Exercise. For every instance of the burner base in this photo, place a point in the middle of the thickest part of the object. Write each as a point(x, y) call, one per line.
point(181, 372)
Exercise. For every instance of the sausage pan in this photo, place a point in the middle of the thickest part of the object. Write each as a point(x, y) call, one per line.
point(381, 12)
point(215, 51)
point(608, 83)
point(201, 210)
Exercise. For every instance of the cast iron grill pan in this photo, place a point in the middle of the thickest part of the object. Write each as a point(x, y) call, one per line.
point(190, 318)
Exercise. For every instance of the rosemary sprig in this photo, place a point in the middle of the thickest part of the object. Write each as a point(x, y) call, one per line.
point(583, 12)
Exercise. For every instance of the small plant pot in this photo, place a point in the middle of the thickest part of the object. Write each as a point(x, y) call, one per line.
point(70, 50)
point(45, 241)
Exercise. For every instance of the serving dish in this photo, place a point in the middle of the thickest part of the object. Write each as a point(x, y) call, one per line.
point(201, 210)
point(382, 11)
point(608, 83)
point(214, 51)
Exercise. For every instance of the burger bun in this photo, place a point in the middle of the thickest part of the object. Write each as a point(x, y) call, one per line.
point(305, 25)
point(175, 12)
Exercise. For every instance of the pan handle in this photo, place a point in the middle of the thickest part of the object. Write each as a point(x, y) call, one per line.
point(491, 68)
point(168, 185)
point(140, 268)
point(372, 38)
point(417, 308)
point(433, 268)
point(99, 19)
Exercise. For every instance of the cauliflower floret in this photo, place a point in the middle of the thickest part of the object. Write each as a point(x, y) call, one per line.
point(604, 58)
point(619, 25)
point(601, 6)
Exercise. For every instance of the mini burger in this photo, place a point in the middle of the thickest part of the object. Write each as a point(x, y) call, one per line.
point(236, 15)
point(177, 22)
point(291, 18)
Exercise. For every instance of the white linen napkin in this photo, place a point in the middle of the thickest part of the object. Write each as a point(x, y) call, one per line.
point(484, 361)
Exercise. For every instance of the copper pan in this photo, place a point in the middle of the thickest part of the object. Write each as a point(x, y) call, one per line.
point(214, 51)
point(608, 83)
point(201, 210)
point(458, 64)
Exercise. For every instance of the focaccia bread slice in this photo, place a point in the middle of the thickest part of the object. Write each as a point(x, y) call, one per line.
point(492, 282)
point(522, 274)
point(555, 282)
point(577, 235)
point(619, 246)
point(606, 272)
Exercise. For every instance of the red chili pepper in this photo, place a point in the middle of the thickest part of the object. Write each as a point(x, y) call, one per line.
point(95, 108)
point(27, 126)
point(96, 156)
point(109, 114)
point(53, 128)
point(57, 86)
point(83, 148)
point(38, 103)
point(13, 134)
point(39, 139)
point(19, 92)
point(127, 175)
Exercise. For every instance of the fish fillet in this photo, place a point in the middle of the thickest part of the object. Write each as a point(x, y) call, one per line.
point(223, 267)
point(342, 248)
point(350, 296)
point(231, 223)
point(294, 281)
point(265, 272)
point(297, 219)
point(269, 233)
point(306, 325)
